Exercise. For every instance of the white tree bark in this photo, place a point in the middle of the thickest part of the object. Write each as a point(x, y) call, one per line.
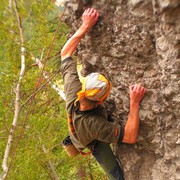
point(10, 4)
point(5, 165)
point(17, 98)
point(53, 85)
point(62, 95)
point(53, 174)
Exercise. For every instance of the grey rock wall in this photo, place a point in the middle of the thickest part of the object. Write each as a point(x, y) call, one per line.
point(138, 41)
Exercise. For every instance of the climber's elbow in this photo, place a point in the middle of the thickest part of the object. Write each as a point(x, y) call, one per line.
point(64, 54)
point(133, 141)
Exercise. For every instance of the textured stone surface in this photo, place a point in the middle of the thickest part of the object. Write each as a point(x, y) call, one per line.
point(138, 41)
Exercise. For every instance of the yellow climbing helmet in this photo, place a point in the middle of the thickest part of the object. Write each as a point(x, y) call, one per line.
point(95, 87)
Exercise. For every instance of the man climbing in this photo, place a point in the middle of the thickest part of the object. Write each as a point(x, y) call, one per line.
point(88, 123)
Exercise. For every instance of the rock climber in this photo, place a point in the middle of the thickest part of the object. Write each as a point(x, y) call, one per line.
point(89, 126)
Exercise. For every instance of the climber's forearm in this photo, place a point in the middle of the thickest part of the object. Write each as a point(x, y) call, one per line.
point(89, 19)
point(132, 126)
point(73, 42)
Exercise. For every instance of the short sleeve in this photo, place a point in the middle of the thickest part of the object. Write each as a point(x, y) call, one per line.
point(107, 131)
point(97, 128)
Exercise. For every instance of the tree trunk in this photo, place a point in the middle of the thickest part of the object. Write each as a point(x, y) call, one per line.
point(17, 93)
point(51, 167)
point(81, 172)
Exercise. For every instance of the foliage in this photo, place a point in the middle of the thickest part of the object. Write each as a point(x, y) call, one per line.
point(46, 125)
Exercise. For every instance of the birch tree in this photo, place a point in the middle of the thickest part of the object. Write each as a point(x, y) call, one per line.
point(17, 94)
point(5, 165)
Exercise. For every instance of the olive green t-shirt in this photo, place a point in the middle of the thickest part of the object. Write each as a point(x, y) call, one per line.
point(88, 126)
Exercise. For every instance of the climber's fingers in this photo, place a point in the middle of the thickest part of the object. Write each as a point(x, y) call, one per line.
point(91, 11)
point(137, 92)
point(86, 12)
point(90, 17)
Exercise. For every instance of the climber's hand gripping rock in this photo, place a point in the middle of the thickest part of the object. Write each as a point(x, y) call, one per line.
point(137, 93)
point(89, 18)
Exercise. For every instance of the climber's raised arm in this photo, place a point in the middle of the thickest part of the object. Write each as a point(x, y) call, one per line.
point(132, 126)
point(89, 18)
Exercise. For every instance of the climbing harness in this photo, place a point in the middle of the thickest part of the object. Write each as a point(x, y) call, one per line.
point(71, 149)
point(67, 143)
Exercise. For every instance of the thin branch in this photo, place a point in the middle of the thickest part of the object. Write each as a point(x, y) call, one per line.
point(3, 130)
point(10, 4)
point(8, 29)
point(59, 91)
point(3, 137)
point(4, 73)
point(32, 99)
point(51, 166)
point(54, 86)
point(17, 94)
point(7, 129)
point(9, 107)
point(42, 54)
point(40, 88)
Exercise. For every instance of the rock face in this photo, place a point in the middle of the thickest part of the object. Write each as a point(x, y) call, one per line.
point(138, 41)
